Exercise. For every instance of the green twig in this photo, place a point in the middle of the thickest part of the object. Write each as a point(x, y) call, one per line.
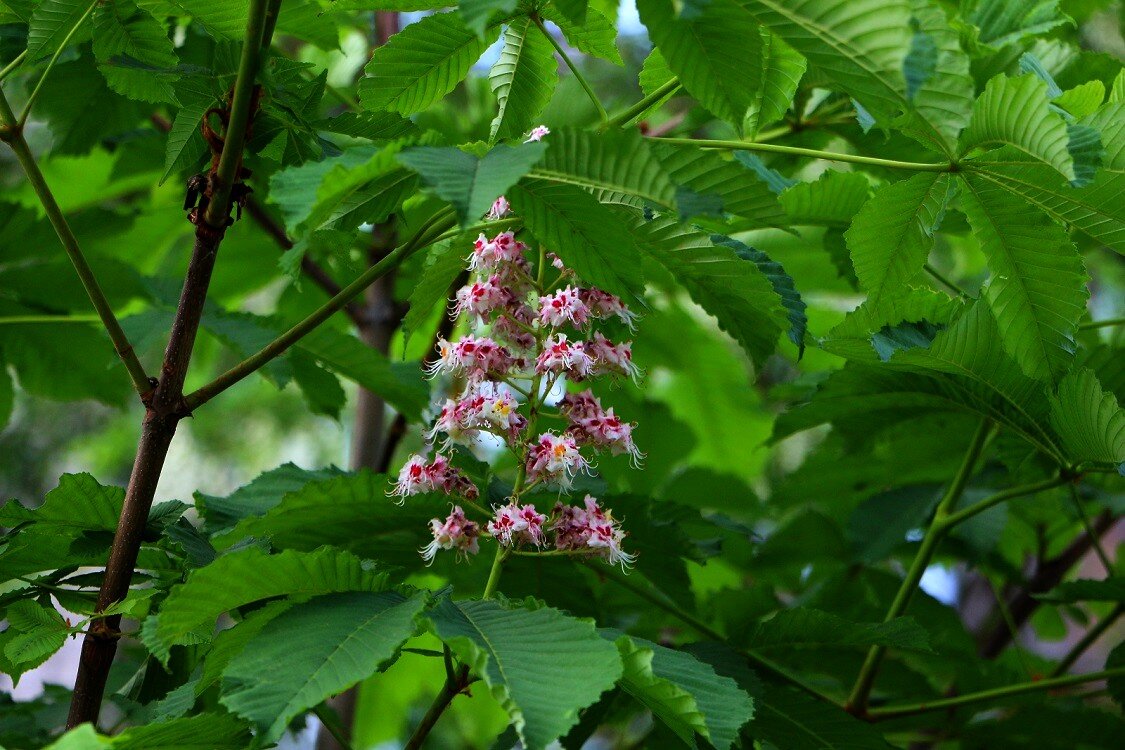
point(627, 116)
point(1107, 323)
point(425, 236)
point(857, 701)
point(1097, 544)
point(812, 153)
point(953, 519)
point(602, 115)
point(12, 132)
point(51, 64)
point(23, 319)
point(332, 725)
point(13, 65)
point(945, 280)
point(987, 696)
point(1088, 639)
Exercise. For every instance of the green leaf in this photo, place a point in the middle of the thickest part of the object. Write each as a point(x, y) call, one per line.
point(82, 737)
point(708, 174)
point(444, 263)
point(584, 233)
point(469, 183)
point(540, 665)
point(398, 383)
point(782, 284)
point(574, 10)
point(78, 502)
point(352, 512)
point(378, 127)
point(258, 496)
point(1001, 23)
point(38, 633)
point(861, 46)
point(223, 19)
point(51, 22)
point(597, 37)
point(716, 54)
point(185, 142)
point(683, 692)
point(1038, 287)
point(477, 13)
point(734, 290)
point(420, 64)
point(121, 29)
point(782, 68)
point(616, 166)
point(654, 74)
point(940, 90)
point(832, 200)
point(523, 79)
point(328, 644)
point(205, 731)
point(802, 628)
point(788, 718)
point(234, 580)
point(1088, 420)
point(892, 235)
point(1110, 589)
point(1016, 112)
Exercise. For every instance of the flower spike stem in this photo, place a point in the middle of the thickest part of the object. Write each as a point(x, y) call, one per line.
point(573, 68)
point(857, 702)
point(915, 166)
point(12, 132)
point(986, 696)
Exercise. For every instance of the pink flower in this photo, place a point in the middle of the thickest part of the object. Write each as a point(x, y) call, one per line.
point(537, 133)
point(560, 356)
point(455, 532)
point(604, 305)
point(481, 297)
point(472, 354)
point(517, 523)
point(519, 337)
point(613, 358)
point(418, 477)
point(556, 261)
point(590, 528)
point(606, 430)
point(580, 405)
point(555, 457)
point(563, 307)
point(500, 208)
point(502, 249)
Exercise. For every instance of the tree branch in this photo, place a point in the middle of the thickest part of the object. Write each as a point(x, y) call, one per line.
point(164, 408)
point(12, 133)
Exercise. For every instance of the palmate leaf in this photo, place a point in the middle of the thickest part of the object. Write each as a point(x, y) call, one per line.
point(51, 22)
point(782, 68)
point(854, 337)
point(477, 13)
point(257, 497)
point(444, 263)
point(1110, 589)
point(523, 79)
point(717, 54)
point(1097, 209)
point(584, 233)
point(420, 64)
point(782, 284)
point(1001, 23)
point(250, 575)
point(37, 632)
point(469, 183)
point(1088, 420)
point(1038, 287)
point(617, 167)
point(223, 19)
point(734, 290)
point(892, 235)
point(683, 692)
point(328, 644)
point(540, 665)
point(1015, 111)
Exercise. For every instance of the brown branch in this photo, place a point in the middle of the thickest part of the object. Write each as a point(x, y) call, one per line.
point(164, 408)
point(1023, 603)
